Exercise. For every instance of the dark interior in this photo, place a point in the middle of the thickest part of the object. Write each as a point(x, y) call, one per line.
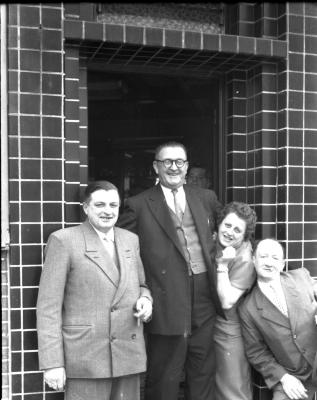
point(129, 114)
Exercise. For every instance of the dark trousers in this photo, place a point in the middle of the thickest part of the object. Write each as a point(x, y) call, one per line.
point(169, 356)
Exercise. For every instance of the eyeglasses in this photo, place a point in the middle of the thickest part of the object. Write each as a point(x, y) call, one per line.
point(168, 162)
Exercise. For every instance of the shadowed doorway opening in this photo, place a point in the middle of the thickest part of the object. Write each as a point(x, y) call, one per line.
point(130, 114)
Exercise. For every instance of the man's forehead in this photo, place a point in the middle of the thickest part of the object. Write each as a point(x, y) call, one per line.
point(103, 195)
point(173, 150)
point(268, 246)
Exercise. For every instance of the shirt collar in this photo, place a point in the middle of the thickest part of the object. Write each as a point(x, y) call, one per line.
point(276, 283)
point(168, 191)
point(109, 235)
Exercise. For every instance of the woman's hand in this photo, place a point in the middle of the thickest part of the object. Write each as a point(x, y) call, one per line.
point(228, 254)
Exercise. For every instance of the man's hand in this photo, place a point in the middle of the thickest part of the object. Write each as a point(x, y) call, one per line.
point(293, 387)
point(143, 309)
point(55, 378)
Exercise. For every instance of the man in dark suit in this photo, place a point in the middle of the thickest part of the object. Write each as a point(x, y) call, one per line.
point(198, 176)
point(92, 299)
point(279, 324)
point(174, 224)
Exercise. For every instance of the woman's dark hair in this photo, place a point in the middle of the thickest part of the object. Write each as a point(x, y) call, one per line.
point(98, 185)
point(243, 211)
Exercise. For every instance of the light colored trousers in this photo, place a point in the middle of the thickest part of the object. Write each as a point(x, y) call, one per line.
point(121, 388)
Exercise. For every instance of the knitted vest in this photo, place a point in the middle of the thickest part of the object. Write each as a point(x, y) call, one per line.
point(188, 237)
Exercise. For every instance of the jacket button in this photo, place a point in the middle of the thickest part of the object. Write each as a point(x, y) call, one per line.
point(112, 338)
point(294, 336)
point(163, 271)
point(133, 336)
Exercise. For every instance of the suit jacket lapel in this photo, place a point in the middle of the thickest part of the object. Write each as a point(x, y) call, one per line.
point(124, 253)
point(159, 209)
point(292, 299)
point(268, 310)
point(200, 218)
point(96, 252)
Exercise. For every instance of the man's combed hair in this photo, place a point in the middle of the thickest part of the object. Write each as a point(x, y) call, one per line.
point(169, 144)
point(98, 185)
point(243, 211)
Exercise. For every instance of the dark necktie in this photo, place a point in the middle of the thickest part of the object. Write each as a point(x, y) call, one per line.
point(178, 208)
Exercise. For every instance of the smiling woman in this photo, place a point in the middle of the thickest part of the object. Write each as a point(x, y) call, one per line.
point(236, 274)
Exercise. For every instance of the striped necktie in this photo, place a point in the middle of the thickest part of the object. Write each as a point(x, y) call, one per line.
point(178, 208)
point(279, 300)
point(111, 249)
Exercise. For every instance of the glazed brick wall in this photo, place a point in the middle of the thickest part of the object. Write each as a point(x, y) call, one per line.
point(270, 114)
point(263, 19)
point(36, 173)
point(301, 144)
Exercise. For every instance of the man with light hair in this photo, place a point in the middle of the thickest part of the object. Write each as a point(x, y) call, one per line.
point(279, 324)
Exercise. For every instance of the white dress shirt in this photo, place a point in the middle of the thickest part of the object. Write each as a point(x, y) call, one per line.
point(169, 197)
point(107, 239)
point(274, 292)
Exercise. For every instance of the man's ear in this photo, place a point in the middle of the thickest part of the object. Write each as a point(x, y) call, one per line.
point(155, 167)
point(282, 265)
point(85, 207)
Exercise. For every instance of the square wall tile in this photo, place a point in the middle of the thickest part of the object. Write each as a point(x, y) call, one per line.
point(30, 190)
point(52, 169)
point(51, 18)
point(31, 212)
point(52, 148)
point(31, 276)
point(154, 36)
point(31, 255)
point(30, 169)
point(52, 191)
point(52, 212)
point(30, 38)
point(52, 127)
point(31, 233)
point(30, 60)
point(114, 33)
point(30, 148)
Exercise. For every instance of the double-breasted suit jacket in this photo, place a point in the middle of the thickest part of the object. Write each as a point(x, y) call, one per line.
point(85, 305)
point(276, 345)
point(165, 266)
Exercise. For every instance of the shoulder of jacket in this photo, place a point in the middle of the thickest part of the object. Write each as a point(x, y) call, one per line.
point(298, 274)
point(249, 300)
point(126, 234)
point(65, 233)
point(141, 196)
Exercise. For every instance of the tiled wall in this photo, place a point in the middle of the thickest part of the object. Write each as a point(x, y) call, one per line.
point(48, 137)
point(36, 165)
point(301, 142)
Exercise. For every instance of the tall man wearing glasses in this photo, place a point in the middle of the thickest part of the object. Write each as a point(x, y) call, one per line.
point(174, 227)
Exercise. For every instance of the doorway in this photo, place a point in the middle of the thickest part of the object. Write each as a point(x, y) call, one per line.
point(131, 113)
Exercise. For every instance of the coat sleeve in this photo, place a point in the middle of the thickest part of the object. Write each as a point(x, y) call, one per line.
point(215, 207)
point(128, 218)
point(144, 290)
point(50, 304)
point(257, 351)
